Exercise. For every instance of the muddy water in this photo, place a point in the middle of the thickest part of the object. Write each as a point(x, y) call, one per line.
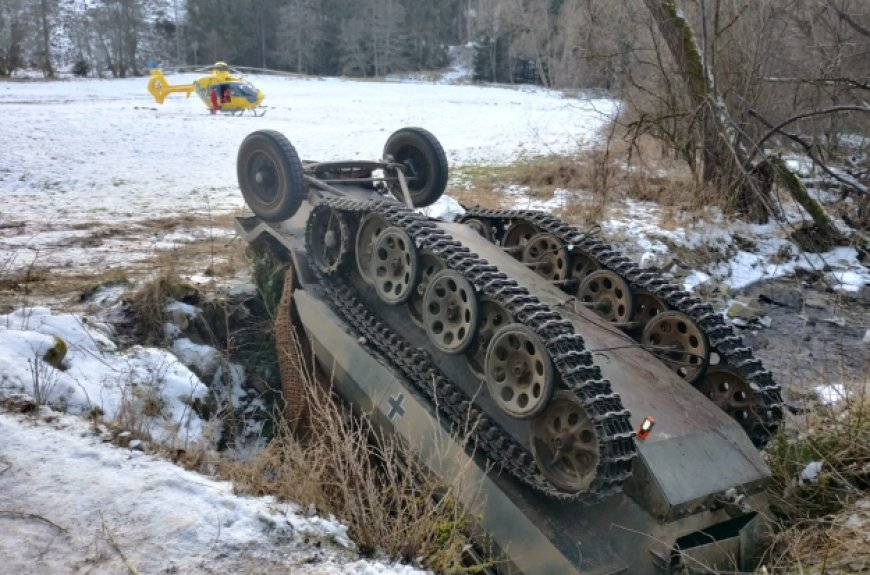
point(815, 335)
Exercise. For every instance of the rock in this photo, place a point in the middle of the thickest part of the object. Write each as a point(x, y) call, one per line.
point(765, 321)
point(836, 320)
point(740, 322)
point(739, 309)
point(650, 260)
point(867, 337)
point(782, 296)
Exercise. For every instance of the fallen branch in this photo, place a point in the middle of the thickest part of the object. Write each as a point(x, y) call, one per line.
point(117, 548)
point(799, 192)
point(810, 151)
point(32, 516)
point(834, 110)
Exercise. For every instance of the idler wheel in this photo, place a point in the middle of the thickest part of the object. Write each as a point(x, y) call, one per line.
point(480, 227)
point(493, 316)
point(682, 345)
point(582, 264)
point(430, 264)
point(607, 294)
point(647, 306)
point(424, 164)
point(564, 443)
point(328, 240)
point(518, 233)
point(270, 175)
point(519, 372)
point(394, 265)
point(732, 394)
point(450, 311)
point(370, 228)
point(545, 254)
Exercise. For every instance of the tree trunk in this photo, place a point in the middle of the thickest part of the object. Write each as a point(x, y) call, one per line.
point(722, 162)
point(46, 45)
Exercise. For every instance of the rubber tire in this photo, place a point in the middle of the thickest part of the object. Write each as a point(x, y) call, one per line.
point(290, 177)
point(424, 152)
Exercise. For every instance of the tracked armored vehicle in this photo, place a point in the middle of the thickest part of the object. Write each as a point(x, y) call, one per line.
point(608, 418)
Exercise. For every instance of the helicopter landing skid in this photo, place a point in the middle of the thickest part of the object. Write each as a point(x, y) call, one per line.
point(258, 111)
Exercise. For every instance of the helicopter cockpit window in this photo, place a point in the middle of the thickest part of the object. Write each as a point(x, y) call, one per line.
point(247, 91)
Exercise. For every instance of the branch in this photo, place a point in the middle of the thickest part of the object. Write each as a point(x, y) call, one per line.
point(850, 82)
point(833, 110)
point(32, 516)
point(810, 151)
point(849, 20)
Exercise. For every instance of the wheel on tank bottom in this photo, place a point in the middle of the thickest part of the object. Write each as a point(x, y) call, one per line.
point(430, 264)
point(493, 316)
point(329, 240)
point(546, 255)
point(582, 265)
point(480, 227)
point(369, 229)
point(270, 175)
point(519, 373)
point(608, 295)
point(424, 165)
point(564, 443)
point(679, 342)
point(518, 234)
point(450, 312)
point(394, 266)
point(647, 306)
point(732, 394)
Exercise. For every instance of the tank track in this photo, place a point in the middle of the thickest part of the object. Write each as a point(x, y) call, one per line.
point(574, 364)
point(767, 399)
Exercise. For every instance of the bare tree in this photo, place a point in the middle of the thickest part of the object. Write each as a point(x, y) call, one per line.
point(301, 25)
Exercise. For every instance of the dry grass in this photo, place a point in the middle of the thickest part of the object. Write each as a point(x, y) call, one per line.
point(345, 466)
point(824, 522)
point(639, 169)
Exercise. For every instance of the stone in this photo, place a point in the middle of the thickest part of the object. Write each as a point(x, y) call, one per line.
point(738, 309)
point(867, 337)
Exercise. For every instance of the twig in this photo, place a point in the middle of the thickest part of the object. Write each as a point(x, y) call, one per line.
point(810, 151)
point(7, 463)
point(114, 544)
point(32, 516)
point(825, 112)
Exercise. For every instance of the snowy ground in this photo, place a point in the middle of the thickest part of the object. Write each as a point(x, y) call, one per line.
point(88, 164)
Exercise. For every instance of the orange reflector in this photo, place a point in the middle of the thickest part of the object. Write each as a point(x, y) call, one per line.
point(646, 427)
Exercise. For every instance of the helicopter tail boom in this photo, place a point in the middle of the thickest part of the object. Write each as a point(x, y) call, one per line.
point(159, 87)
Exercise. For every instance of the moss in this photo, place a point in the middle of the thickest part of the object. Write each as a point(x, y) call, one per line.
point(56, 354)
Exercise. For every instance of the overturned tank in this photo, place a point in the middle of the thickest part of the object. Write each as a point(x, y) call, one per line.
point(609, 421)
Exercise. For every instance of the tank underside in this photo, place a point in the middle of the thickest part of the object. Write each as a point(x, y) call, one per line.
point(596, 418)
point(671, 510)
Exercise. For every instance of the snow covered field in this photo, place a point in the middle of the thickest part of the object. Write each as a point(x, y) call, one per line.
point(84, 155)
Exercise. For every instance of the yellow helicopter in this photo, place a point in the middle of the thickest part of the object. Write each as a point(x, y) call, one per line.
point(220, 91)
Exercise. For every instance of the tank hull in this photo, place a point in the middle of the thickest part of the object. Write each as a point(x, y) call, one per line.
point(672, 506)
